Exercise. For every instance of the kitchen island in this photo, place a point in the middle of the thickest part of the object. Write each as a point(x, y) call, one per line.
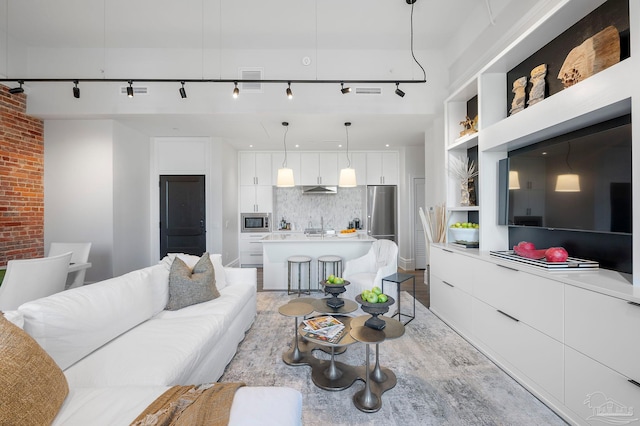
point(277, 247)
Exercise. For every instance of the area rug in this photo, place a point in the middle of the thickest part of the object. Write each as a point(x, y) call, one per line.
point(442, 379)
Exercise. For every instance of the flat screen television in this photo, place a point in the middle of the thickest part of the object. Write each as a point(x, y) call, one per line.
point(578, 181)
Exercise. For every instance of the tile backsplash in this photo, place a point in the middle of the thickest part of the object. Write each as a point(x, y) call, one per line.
point(305, 210)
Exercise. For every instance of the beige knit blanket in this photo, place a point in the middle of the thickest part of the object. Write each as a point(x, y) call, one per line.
point(208, 404)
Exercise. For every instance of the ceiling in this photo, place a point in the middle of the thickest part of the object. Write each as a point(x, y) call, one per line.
point(374, 36)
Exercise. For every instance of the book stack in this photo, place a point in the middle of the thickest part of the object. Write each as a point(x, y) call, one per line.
point(325, 328)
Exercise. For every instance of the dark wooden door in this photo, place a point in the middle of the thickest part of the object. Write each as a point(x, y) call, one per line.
point(182, 215)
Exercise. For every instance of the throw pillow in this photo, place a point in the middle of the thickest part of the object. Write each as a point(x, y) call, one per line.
point(191, 260)
point(188, 287)
point(32, 386)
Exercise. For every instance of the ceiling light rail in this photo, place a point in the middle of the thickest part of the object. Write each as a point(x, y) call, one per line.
point(182, 82)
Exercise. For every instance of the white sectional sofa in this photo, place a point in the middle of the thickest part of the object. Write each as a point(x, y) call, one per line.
point(120, 349)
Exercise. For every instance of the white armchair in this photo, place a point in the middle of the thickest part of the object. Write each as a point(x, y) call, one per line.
point(80, 256)
point(31, 279)
point(367, 271)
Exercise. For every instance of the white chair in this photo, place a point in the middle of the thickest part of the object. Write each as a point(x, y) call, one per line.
point(31, 279)
point(80, 255)
point(367, 271)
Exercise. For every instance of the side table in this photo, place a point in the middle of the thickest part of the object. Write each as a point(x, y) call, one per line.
point(398, 279)
point(294, 309)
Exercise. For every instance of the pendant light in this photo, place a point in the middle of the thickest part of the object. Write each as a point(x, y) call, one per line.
point(347, 175)
point(568, 182)
point(285, 174)
point(514, 179)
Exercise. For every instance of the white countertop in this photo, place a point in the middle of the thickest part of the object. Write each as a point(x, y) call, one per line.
point(604, 281)
point(293, 237)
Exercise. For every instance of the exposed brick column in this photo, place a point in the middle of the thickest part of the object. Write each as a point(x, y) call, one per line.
point(21, 180)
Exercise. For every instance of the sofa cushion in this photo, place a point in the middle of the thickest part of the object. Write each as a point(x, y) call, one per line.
point(32, 386)
point(191, 260)
point(189, 287)
point(73, 323)
point(157, 352)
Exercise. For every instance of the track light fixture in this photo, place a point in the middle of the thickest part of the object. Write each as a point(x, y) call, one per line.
point(398, 91)
point(236, 91)
point(76, 90)
point(183, 93)
point(16, 90)
point(289, 92)
point(130, 89)
point(343, 89)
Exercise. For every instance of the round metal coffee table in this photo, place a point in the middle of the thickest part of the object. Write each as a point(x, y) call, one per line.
point(294, 356)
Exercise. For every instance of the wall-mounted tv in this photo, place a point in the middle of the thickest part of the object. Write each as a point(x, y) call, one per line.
point(577, 181)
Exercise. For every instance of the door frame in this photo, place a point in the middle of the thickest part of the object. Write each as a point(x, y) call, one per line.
point(201, 165)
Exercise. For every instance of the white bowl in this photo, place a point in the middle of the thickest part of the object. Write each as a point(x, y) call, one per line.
point(470, 235)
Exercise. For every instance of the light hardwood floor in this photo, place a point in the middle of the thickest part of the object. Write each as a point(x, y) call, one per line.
point(422, 288)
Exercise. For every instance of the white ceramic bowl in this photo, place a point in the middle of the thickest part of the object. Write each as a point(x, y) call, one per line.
point(470, 235)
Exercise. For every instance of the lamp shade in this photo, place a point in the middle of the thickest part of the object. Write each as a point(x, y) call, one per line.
point(285, 178)
point(514, 180)
point(347, 178)
point(568, 183)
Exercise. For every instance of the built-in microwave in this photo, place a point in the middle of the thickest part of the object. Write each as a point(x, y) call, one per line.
point(255, 222)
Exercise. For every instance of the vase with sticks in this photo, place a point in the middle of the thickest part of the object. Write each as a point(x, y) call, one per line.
point(465, 171)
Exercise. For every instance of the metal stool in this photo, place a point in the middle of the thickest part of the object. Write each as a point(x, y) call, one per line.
point(335, 262)
point(298, 261)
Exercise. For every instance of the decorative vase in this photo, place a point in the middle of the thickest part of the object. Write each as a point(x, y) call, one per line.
point(464, 192)
point(375, 309)
point(334, 290)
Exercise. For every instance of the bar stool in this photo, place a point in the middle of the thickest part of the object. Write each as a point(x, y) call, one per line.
point(335, 262)
point(300, 262)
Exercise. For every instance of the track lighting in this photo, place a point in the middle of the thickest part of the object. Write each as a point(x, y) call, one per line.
point(16, 90)
point(289, 92)
point(183, 93)
point(76, 90)
point(236, 91)
point(130, 89)
point(398, 91)
point(344, 90)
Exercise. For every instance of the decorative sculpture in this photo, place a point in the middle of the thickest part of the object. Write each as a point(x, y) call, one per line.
point(518, 90)
point(538, 84)
point(595, 54)
point(470, 126)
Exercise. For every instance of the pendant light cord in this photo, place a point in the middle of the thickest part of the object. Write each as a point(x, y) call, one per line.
point(346, 129)
point(284, 163)
point(567, 158)
point(424, 73)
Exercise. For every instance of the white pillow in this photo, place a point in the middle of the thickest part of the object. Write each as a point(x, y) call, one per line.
point(15, 317)
point(71, 324)
point(191, 260)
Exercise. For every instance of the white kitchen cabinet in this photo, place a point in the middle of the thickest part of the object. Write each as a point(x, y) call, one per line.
point(605, 329)
point(319, 168)
point(258, 198)
point(536, 301)
point(293, 162)
point(451, 304)
point(382, 168)
point(255, 168)
point(598, 394)
point(251, 249)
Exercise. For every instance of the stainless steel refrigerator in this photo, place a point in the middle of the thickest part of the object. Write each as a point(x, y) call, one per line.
point(382, 212)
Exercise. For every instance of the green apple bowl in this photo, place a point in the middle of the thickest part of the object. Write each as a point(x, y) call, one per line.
point(375, 309)
point(469, 235)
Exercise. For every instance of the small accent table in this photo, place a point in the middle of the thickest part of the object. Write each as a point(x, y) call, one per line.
point(294, 309)
point(380, 379)
point(398, 279)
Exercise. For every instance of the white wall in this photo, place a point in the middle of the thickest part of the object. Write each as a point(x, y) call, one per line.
point(78, 182)
point(130, 200)
point(412, 165)
point(226, 161)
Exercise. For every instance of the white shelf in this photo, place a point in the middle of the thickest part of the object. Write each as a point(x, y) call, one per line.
point(464, 142)
point(464, 209)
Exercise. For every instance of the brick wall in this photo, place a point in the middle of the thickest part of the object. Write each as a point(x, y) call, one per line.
point(21, 180)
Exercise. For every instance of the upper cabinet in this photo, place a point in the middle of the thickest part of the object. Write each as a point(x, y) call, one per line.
point(318, 168)
point(255, 168)
point(382, 168)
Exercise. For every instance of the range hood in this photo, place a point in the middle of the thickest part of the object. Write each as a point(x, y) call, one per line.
point(319, 189)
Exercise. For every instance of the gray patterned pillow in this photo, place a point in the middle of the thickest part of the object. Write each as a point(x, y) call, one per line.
point(188, 287)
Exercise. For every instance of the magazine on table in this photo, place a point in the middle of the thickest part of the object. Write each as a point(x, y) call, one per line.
point(326, 326)
point(334, 339)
